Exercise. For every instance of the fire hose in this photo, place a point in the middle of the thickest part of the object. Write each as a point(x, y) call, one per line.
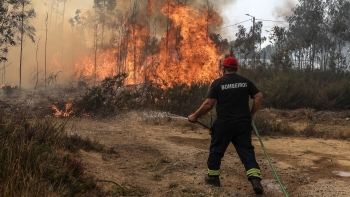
point(266, 154)
point(269, 160)
point(205, 126)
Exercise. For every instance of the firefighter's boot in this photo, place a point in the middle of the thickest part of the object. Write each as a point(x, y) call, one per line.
point(212, 180)
point(257, 187)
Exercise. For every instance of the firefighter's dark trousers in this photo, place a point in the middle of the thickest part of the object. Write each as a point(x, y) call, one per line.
point(240, 135)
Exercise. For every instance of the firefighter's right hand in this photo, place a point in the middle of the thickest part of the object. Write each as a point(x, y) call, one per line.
point(192, 118)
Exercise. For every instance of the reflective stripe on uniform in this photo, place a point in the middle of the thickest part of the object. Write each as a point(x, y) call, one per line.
point(213, 172)
point(255, 172)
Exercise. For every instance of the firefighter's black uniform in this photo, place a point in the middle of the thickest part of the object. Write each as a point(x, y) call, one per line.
point(233, 123)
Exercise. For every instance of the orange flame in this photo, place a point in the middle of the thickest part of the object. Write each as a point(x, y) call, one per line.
point(186, 53)
point(196, 59)
point(150, 7)
point(62, 113)
point(110, 62)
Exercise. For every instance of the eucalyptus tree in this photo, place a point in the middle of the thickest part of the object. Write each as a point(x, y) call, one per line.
point(320, 30)
point(338, 22)
point(104, 11)
point(248, 42)
point(281, 57)
point(14, 19)
point(306, 26)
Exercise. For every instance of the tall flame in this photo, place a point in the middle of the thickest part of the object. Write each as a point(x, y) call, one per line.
point(186, 53)
point(191, 55)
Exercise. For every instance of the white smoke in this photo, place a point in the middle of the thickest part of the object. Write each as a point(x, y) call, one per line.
point(285, 10)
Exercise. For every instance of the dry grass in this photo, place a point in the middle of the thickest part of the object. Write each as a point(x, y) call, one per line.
point(38, 159)
point(128, 191)
point(299, 123)
point(303, 123)
point(268, 124)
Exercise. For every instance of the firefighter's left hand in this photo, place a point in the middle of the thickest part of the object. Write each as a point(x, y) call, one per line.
point(192, 118)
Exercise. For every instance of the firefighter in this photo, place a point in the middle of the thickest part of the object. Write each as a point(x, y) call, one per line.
point(231, 94)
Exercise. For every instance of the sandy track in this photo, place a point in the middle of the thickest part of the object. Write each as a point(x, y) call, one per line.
point(169, 159)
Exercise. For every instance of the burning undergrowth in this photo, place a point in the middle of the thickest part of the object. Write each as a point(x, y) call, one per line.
point(63, 109)
point(113, 97)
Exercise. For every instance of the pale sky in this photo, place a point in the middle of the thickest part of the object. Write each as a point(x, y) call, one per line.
point(261, 9)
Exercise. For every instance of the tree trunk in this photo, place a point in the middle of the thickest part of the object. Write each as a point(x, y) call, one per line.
point(95, 53)
point(56, 14)
point(52, 7)
point(134, 37)
point(300, 59)
point(126, 45)
point(62, 29)
point(73, 56)
point(21, 53)
point(103, 24)
point(46, 30)
point(3, 71)
point(208, 6)
point(37, 63)
point(167, 36)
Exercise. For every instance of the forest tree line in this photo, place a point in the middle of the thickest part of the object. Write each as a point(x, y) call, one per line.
point(317, 37)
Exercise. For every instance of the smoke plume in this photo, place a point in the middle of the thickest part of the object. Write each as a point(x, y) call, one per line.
point(285, 10)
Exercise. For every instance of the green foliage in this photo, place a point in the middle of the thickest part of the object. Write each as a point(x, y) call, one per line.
point(11, 23)
point(34, 161)
point(247, 41)
point(299, 89)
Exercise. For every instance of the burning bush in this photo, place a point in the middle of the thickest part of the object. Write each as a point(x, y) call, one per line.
point(108, 97)
point(112, 96)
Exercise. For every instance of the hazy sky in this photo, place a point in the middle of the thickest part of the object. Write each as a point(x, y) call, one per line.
point(274, 10)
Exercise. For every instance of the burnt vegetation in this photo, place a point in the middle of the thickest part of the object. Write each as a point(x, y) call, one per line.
point(113, 97)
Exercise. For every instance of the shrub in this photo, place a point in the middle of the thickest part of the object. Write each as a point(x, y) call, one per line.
point(35, 161)
point(269, 125)
point(299, 89)
point(105, 98)
point(112, 96)
point(183, 99)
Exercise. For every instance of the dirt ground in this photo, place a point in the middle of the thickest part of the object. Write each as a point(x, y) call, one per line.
point(167, 157)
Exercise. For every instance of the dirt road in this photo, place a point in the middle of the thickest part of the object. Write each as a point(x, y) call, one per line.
point(163, 157)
